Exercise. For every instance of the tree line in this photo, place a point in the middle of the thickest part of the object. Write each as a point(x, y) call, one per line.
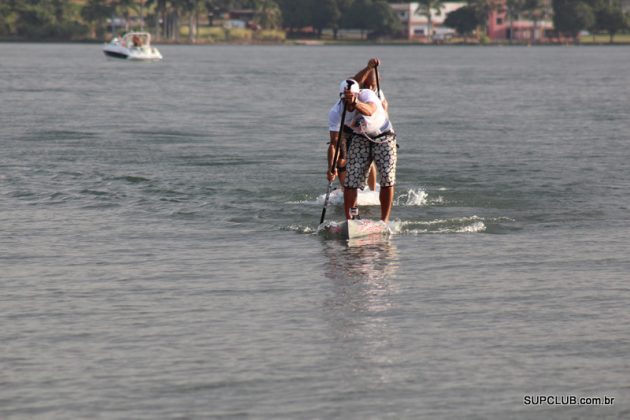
point(72, 19)
point(573, 16)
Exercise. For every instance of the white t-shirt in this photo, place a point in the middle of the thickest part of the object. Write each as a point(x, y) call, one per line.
point(334, 116)
point(375, 124)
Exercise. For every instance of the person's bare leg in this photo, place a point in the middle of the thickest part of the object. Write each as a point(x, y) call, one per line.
point(372, 178)
point(349, 200)
point(342, 179)
point(386, 196)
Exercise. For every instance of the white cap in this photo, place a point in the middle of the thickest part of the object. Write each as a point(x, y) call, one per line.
point(354, 86)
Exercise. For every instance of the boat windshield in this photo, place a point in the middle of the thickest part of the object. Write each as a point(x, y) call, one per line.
point(137, 40)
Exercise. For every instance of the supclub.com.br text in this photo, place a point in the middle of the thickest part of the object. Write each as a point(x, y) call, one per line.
point(566, 400)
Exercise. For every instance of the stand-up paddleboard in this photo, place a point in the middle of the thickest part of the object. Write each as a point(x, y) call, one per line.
point(353, 229)
point(365, 227)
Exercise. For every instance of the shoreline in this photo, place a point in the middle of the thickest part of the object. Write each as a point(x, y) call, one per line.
point(315, 43)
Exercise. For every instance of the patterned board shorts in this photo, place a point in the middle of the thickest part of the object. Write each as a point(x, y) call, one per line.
point(360, 156)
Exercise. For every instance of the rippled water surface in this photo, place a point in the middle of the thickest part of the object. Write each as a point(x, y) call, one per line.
point(159, 256)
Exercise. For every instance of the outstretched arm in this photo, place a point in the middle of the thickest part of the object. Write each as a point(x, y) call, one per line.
point(364, 74)
point(365, 108)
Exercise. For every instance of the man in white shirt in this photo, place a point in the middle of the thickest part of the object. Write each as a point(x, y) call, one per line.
point(366, 78)
point(373, 139)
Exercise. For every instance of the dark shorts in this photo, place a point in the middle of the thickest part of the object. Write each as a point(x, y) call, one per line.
point(360, 156)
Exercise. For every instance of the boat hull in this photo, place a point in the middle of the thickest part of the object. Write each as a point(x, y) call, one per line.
point(115, 54)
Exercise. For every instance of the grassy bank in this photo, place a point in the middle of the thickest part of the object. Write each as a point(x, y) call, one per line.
point(215, 34)
point(619, 39)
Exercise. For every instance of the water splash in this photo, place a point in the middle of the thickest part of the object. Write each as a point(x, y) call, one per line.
point(300, 229)
point(474, 228)
point(411, 198)
point(417, 197)
point(473, 224)
point(365, 198)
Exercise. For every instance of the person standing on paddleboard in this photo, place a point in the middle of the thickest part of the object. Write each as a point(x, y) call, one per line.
point(334, 123)
point(366, 78)
point(372, 139)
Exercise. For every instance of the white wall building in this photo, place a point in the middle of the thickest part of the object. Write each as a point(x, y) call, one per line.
point(417, 24)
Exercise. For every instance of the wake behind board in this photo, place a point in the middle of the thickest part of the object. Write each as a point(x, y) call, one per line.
point(353, 229)
point(365, 197)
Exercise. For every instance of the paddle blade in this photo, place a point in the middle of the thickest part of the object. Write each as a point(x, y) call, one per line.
point(328, 190)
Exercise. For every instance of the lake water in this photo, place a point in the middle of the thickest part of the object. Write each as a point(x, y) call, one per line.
point(159, 259)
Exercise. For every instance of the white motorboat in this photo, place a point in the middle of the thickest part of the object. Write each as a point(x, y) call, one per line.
point(132, 46)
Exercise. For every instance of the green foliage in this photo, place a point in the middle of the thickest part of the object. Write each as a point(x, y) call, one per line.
point(482, 9)
point(571, 17)
point(463, 20)
point(513, 8)
point(367, 15)
point(296, 13)
point(327, 15)
point(96, 12)
point(426, 6)
point(371, 15)
point(609, 17)
point(40, 19)
point(384, 21)
point(268, 14)
point(358, 15)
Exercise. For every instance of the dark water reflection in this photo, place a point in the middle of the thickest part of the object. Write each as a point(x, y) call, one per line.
point(362, 274)
point(364, 338)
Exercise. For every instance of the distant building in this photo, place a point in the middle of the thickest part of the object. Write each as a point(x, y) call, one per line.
point(530, 27)
point(240, 18)
point(242, 14)
point(416, 23)
point(499, 27)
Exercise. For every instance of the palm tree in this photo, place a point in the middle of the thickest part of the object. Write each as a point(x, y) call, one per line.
point(191, 7)
point(536, 10)
point(142, 2)
point(125, 6)
point(424, 8)
point(513, 9)
point(167, 14)
point(268, 14)
point(482, 10)
point(96, 11)
point(160, 6)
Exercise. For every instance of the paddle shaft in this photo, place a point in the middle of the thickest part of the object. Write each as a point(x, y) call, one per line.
point(334, 162)
point(378, 83)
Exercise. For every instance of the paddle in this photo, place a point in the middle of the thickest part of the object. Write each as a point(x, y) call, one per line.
point(378, 83)
point(335, 157)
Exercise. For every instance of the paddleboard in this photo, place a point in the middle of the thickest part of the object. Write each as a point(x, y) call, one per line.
point(353, 229)
point(365, 227)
